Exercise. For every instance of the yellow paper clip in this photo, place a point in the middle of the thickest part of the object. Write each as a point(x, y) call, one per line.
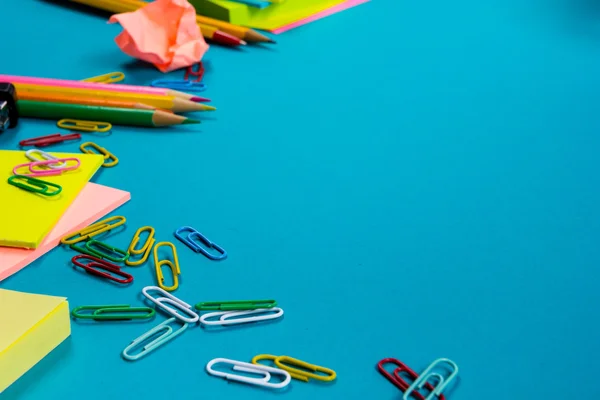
point(111, 77)
point(173, 265)
point(146, 248)
point(93, 230)
point(295, 372)
point(84, 126)
point(102, 151)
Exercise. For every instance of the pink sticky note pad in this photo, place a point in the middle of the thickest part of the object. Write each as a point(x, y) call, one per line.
point(325, 13)
point(93, 202)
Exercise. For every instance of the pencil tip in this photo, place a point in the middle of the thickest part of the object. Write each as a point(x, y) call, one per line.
point(197, 99)
point(190, 121)
point(242, 42)
point(209, 108)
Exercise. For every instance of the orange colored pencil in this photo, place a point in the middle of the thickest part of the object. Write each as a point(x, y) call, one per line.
point(55, 98)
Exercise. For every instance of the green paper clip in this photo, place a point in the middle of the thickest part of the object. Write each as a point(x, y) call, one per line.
point(34, 185)
point(235, 305)
point(84, 250)
point(109, 254)
point(118, 312)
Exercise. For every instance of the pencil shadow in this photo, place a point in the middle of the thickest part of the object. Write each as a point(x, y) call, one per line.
point(37, 375)
point(69, 5)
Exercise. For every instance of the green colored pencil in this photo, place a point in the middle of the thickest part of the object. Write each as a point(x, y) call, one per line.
point(113, 115)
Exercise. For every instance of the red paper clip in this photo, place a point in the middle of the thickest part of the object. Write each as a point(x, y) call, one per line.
point(198, 73)
point(399, 381)
point(95, 264)
point(44, 141)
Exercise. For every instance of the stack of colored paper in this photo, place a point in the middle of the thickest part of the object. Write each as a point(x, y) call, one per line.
point(277, 17)
point(31, 326)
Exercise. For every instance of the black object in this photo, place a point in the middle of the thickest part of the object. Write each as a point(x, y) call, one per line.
point(9, 116)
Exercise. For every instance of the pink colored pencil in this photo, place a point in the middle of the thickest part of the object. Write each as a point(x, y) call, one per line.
point(112, 87)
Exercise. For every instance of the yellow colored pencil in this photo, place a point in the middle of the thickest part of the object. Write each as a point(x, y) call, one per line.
point(172, 103)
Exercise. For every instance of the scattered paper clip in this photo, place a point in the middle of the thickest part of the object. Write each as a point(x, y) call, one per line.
point(102, 151)
point(84, 250)
point(166, 334)
point(55, 170)
point(201, 240)
point(179, 84)
point(398, 380)
point(146, 248)
point(235, 305)
point(302, 375)
point(84, 126)
point(263, 371)
point(111, 77)
point(43, 156)
point(117, 312)
point(95, 265)
point(198, 72)
point(168, 299)
point(48, 140)
point(173, 265)
point(430, 374)
point(94, 230)
point(231, 317)
point(34, 185)
point(107, 251)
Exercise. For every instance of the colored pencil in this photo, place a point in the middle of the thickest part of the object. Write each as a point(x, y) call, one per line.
point(165, 102)
point(240, 32)
point(54, 98)
point(118, 6)
point(113, 87)
point(117, 116)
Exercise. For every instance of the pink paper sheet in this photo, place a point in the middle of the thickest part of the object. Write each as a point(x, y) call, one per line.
point(325, 13)
point(93, 202)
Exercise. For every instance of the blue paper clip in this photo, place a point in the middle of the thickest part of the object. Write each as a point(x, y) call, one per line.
point(179, 84)
point(201, 239)
point(428, 375)
point(167, 334)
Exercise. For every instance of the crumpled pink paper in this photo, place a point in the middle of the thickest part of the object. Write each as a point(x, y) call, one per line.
point(164, 33)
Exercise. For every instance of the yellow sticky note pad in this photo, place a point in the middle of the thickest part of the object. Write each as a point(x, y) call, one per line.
point(26, 218)
point(31, 326)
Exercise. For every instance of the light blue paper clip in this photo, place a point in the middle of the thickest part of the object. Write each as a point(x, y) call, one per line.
point(179, 84)
point(168, 335)
point(201, 240)
point(428, 375)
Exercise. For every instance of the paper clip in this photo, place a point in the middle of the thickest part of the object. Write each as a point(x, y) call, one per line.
point(198, 73)
point(111, 77)
point(117, 312)
point(196, 246)
point(48, 172)
point(166, 334)
point(235, 305)
point(94, 230)
point(173, 265)
point(163, 304)
point(99, 247)
point(102, 151)
point(34, 185)
point(44, 141)
point(304, 375)
point(30, 154)
point(230, 317)
point(398, 380)
point(84, 126)
point(96, 264)
point(179, 84)
point(146, 248)
point(84, 250)
point(262, 370)
point(427, 375)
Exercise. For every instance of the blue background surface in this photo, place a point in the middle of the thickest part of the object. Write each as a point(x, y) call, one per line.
point(408, 179)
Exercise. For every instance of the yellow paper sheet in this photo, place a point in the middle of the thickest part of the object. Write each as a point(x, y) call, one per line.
point(26, 218)
point(31, 326)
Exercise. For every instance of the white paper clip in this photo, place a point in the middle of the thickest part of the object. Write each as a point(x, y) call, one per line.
point(428, 375)
point(167, 335)
point(44, 157)
point(229, 317)
point(262, 370)
point(162, 303)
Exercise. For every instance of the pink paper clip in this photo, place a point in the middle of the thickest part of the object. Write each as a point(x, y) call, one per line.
point(44, 141)
point(48, 172)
